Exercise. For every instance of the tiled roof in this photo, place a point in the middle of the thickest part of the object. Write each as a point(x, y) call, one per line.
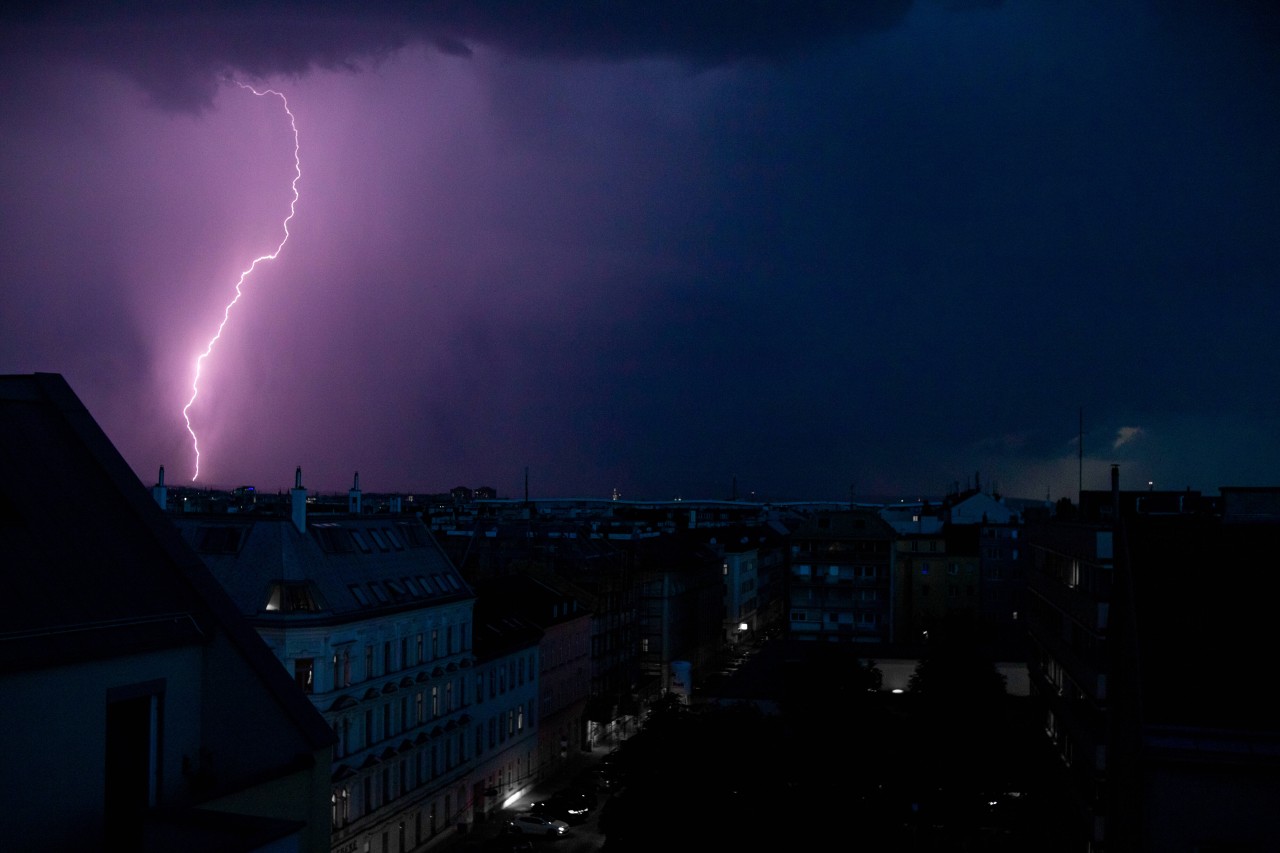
point(356, 565)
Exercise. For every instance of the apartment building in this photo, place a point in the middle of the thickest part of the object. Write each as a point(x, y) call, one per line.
point(564, 659)
point(375, 625)
point(507, 717)
point(842, 578)
point(1148, 643)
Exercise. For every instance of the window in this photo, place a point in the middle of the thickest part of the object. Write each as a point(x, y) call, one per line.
point(420, 649)
point(368, 662)
point(378, 540)
point(359, 594)
point(292, 598)
point(341, 669)
point(340, 802)
point(419, 707)
point(304, 673)
point(360, 541)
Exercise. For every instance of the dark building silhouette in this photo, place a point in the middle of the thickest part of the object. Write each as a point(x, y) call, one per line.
point(1150, 667)
point(140, 711)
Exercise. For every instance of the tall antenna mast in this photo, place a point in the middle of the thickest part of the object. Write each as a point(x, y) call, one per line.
point(1080, 464)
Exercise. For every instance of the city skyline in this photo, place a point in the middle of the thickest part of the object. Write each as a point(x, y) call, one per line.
point(805, 253)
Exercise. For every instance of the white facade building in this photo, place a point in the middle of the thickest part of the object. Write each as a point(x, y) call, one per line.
point(374, 623)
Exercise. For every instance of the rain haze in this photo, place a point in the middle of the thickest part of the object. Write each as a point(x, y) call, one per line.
point(785, 250)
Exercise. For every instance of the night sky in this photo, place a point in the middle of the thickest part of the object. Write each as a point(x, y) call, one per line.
point(810, 249)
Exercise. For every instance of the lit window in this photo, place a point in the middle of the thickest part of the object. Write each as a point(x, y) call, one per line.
point(292, 598)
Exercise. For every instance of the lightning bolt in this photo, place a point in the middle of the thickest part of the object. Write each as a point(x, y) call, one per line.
point(226, 312)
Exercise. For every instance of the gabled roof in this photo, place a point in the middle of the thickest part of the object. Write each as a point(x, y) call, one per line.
point(93, 568)
point(88, 571)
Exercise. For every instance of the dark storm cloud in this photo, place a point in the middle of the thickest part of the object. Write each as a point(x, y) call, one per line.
point(178, 54)
point(871, 247)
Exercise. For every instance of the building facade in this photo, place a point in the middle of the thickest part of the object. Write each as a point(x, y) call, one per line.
point(375, 626)
point(842, 578)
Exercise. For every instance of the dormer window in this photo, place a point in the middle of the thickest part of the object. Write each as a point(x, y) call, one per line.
point(293, 598)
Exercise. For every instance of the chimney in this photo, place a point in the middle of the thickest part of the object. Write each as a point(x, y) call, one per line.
point(353, 496)
point(395, 505)
point(160, 492)
point(298, 497)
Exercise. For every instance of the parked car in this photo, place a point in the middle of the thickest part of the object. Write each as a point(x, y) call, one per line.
point(569, 809)
point(536, 824)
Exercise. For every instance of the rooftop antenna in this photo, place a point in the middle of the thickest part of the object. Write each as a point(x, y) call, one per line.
point(1080, 464)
